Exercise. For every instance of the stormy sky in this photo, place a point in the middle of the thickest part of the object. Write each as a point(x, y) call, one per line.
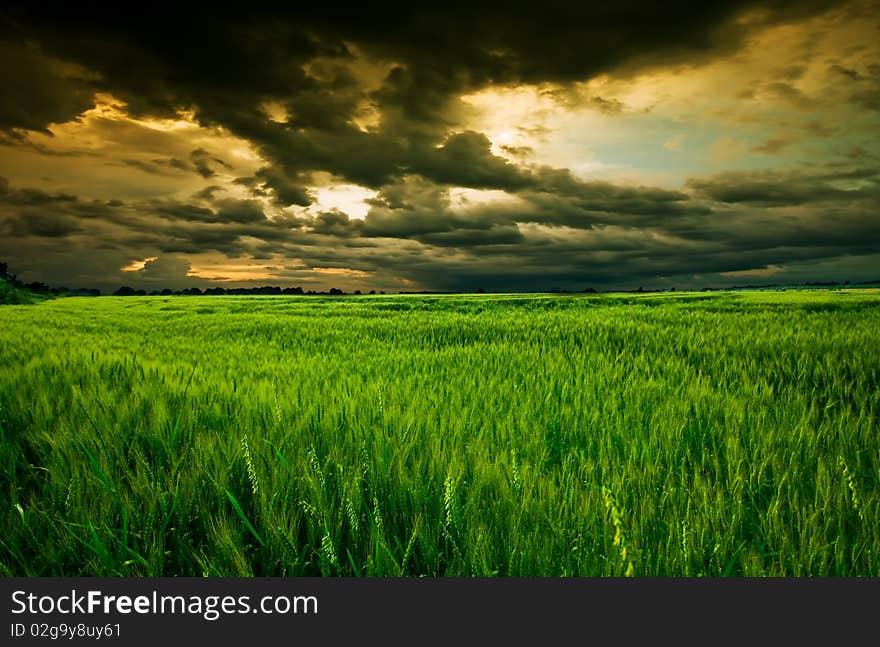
point(513, 147)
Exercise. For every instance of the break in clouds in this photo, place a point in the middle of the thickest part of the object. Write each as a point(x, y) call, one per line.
point(540, 146)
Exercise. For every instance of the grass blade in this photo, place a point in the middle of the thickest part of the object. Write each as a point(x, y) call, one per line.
point(243, 517)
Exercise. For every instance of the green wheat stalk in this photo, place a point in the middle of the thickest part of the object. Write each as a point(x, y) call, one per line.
point(619, 537)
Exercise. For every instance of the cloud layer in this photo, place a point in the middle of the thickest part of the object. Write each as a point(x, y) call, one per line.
point(527, 148)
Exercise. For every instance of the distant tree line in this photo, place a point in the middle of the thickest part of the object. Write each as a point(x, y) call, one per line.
point(41, 288)
point(126, 291)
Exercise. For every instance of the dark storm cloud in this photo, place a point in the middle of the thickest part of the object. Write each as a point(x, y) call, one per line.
point(417, 208)
point(543, 264)
point(495, 235)
point(38, 90)
point(166, 225)
point(186, 212)
point(777, 188)
point(465, 159)
point(223, 65)
point(558, 231)
point(636, 233)
point(41, 225)
point(252, 50)
point(398, 129)
point(164, 270)
point(334, 223)
point(240, 211)
point(288, 190)
point(588, 196)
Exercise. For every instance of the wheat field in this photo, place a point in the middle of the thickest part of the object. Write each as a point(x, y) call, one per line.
point(676, 434)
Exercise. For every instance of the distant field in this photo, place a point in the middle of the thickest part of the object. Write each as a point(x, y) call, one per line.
point(677, 434)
